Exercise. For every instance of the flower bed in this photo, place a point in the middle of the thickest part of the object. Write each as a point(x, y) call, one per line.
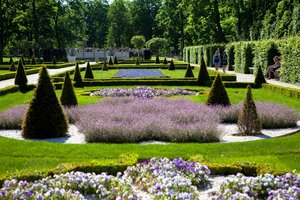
point(141, 92)
point(134, 120)
point(157, 178)
point(136, 73)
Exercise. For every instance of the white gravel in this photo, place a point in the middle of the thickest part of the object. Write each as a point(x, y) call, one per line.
point(228, 130)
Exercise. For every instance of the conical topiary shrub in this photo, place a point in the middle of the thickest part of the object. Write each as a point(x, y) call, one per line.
point(172, 65)
point(88, 71)
point(259, 78)
point(157, 59)
point(104, 66)
point(23, 60)
point(203, 76)
point(137, 60)
point(189, 72)
point(165, 61)
point(248, 120)
point(218, 94)
point(116, 60)
point(12, 66)
point(20, 78)
point(45, 117)
point(110, 62)
point(33, 61)
point(77, 77)
point(68, 97)
point(54, 62)
point(10, 60)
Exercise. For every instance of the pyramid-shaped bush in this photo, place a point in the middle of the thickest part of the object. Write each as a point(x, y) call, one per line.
point(54, 62)
point(77, 77)
point(88, 71)
point(12, 66)
point(110, 62)
point(104, 66)
point(45, 117)
point(33, 62)
point(203, 76)
point(20, 78)
point(116, 60)
point(259, 78)
point(137, 61)
point(23, 60)
point(218, 94)
point(172, 65)
point(157, 61)
point(248, 120)
point(165, 61)
point(68, 97)
point(189, 72)
point(10, 60)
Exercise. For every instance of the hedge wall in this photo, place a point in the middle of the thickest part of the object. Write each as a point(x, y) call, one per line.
point(244, 55)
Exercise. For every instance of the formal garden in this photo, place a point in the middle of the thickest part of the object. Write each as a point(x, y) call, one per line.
point(149, 99)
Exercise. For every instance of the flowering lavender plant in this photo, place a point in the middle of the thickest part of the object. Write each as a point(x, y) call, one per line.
point(141, 92)
point(136, 73)
point(135, 120)
point(12, 118)
point(266, 186)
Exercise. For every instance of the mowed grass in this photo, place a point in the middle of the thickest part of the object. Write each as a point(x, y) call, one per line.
point(5, 71)
point(279, 154)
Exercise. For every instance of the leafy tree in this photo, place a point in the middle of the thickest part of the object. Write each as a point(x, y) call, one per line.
point(259, 78)
point(217, 94)
point(68, 96)
point(138, 41)
point(248, 120)
point(77, 76)
point(21, 79)
point(45, 117)
point(157, 45)
point(189, 72)
point(203, 76)
point(172, 65)
point(88, 71)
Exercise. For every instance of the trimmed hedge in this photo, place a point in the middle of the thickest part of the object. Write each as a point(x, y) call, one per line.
point(289, 92)
point(12, 74)
point(244, 55)
point(179, 65)
point(55, 66)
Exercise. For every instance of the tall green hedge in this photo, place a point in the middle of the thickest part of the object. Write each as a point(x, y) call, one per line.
point(244, 55)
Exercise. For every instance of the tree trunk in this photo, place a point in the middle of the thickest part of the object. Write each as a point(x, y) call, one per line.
point(220, 37)
point(182, 32)
point(35, 25)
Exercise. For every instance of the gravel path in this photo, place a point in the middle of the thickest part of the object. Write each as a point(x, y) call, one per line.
point(228, 130)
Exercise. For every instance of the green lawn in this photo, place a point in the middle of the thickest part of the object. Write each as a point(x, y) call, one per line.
point(280, 153)
point(5, 71)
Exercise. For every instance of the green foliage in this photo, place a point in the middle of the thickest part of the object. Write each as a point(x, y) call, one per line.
point(157, 44)
point(21, 79)
point(157, 59)
point(189, 72)
point(68, 96)
point(172, 65)
point(248, 120)
point(77, 77)
point(217, 94)
point(116, 60)
point(23, 60)
point(165, 62)
point(137, 61)
point(230, 56)
point(10, 60)
point(104, 66)
point(259, 78)
point(12, 67)
point(33, 62)
point(88, 71)
point(289, 92)
point(45, 117)
point(203, 76)
point(110, 62)
point(138, 41)
point(244, 55)
point(54, 62)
